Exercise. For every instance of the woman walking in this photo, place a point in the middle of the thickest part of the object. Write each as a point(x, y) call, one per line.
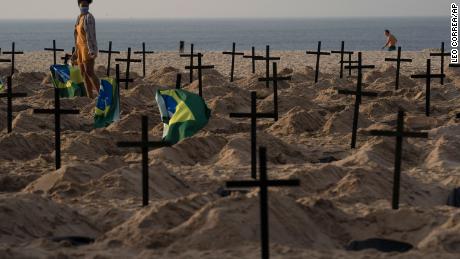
point(86, 47)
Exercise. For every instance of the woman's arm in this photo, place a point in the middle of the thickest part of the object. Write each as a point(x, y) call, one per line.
point(90, 28)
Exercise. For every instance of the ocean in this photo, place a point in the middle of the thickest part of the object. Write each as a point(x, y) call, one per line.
point(218, 34)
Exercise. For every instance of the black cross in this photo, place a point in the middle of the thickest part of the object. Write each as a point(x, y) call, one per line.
point(233, 53)
point(267, 59)
point(13, 54)
point(263, 184)
point(253, 57)
point(398, 61)
point(57, 111)
point(178, 81)
point(54, 50)
point(145, 145)
point(275, 79)
point(128, 61)
point(109, 58)
point(428, 76)
point(191, 56)
point(441, 54)
point(399, 134)
point(144, 53)
point(359, 93)
point(67, 56)
point(9, 104)
point(342, 53)
point(200, 68)
point(349, 62)
point(318, 54)
point(253, 115)
point(181, 46)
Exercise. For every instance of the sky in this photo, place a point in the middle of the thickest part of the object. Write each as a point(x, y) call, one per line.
point(152, 9)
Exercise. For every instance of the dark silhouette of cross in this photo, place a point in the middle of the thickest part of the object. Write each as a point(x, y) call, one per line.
point(191, 56)
point(342, 53)
point(428, 76)
point(253, 115)
point(57, 111)
point(13, 54)
point(275, 79)
point(66, 56)
point(359, 93)
point(399, 134)
point(263, 184)
point(200, 68)
point(9, 95)
point(110, 51)
point(233, 53)
point(318, 54)
point(267, 60)
point(398, 61)
point(144, 53)
point(253, 58)
point(54, 50)
point(178, 81)
point(128, 61)
point(145, 146)
point(441, 54)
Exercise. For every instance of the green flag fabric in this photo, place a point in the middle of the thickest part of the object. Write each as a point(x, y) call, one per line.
point(107, 104)
point(183, 114)
point(68, 80)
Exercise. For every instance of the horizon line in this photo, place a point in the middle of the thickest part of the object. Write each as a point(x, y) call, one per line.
point(226, 18)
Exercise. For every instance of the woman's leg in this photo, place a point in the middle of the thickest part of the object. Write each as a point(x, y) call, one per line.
point(88, 85)
point(92, 78)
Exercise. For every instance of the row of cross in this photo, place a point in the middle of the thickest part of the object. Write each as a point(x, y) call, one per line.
point(260, 181)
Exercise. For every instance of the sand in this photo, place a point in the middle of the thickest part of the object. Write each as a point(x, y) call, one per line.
point(96, 193)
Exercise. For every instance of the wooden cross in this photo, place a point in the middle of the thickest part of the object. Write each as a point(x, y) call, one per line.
point(109, 58)
point(128, 61)
point(253, 115)
point(267, 60)
point(9, 104)
point(233, 53)
point(318, 54)
point(144, 53)
point(342, 53)
point(145, 145)
point(275, 79)
point(54, 50)
point(428, 76)
point(349, 62)
point(398, 61)
point(200, 68)
point(263, 184)
point(57, 111)
point(13, 54)
point(441, 54)
point(359, 93)
point(178, 81)
point(399, 134)
point(66, 57)
point(253, 57)
point(192, 57)
point(181, 46)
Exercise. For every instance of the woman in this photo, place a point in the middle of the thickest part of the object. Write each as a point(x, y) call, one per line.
point(86, 47)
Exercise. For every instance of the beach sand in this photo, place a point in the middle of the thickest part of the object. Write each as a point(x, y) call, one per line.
point(97, 192)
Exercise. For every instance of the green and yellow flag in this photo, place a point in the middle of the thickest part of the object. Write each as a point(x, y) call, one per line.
point(107, 104)
point(68, 80)
point(2, 87)
point(183, 114)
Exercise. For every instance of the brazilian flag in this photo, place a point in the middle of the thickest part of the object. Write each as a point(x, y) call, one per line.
point(107, 104)
point(2, 87)
point(68, 80)
point(183, 114)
